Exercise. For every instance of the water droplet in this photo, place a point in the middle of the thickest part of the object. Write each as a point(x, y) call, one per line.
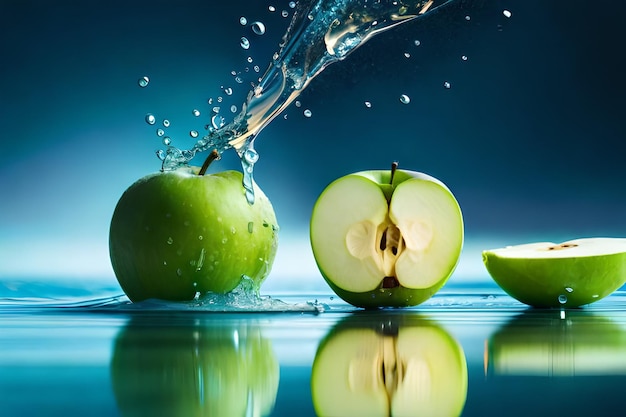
point(193, 133)
point(562, 299)
point(220, 99)
point(167, 141)
point(166, 123)
point(179, 272)
point(368, 104)
point(143, 81)
point(256, 68)
point(243, 21)
point(251, 156)
point(297, 103)
point(239, 80)
point(595, 296)
point(284, 13)
point(407, 55)
point(195, 112)
point(161, 154)
point(249, 60)
point(216, 109)
point(464, 57)
point(506, 13)
point(307, 113)
point(160, 132)
point(245, 43)
point(271, 8)
point(150, 119)
point(233, 108)
point(250, 227)
point(467, 17)
point(446, 84)
point(258, 28)
point(195, 284)
point(217, 121)
point(224, 240)
point(404, 99)
point(292, 4)
point(417, 43)
point(310, 17)
point(228, 91)
point(569, 289)
point(233, 230)
point(170, 240)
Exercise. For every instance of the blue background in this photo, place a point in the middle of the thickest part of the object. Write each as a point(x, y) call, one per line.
point(530, 137)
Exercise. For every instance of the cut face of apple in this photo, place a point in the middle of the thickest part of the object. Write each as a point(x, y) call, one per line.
point(386, 238)
point(569, 274)
point(389, 369)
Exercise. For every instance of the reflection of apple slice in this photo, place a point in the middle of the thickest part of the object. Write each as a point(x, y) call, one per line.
point(569, 274)
point(210, 369)
point(417, 369)
point(553, 343)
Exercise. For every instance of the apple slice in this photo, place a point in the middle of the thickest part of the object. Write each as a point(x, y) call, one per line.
point(386, 238)
point(569, 274)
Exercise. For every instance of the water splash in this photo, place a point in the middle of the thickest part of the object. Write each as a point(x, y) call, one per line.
point(321, 32)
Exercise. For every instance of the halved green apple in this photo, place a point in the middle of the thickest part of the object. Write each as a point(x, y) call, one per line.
point(386, 238)
point(388, 366)
point(569, 274)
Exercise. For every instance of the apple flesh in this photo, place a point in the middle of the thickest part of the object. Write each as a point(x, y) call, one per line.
point(387, 368)
point(175, 233)
point(386, 238)
point(569, 274)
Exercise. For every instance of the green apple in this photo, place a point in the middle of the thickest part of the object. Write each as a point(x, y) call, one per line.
point(194, 367)
point(386, 238)
point(389, 366)
point(557, 343)
point(176, 233)
point(569, 274)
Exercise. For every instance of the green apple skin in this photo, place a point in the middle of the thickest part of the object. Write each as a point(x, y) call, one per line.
point(428, 377)
point(566, 281)
point(192, 367)
point(175, 233)
point(399, 296)
point(545, 342)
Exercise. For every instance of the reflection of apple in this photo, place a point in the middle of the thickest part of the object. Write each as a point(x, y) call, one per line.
point(569, 274)
point(386, 238)
point(176, 233)
point(389, 365)
point(206, 368)
point(555, 343)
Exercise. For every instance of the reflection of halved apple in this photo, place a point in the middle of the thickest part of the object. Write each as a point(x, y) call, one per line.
point(389, 365)
point(209, 368)
point(569, 274)
point(553, 343)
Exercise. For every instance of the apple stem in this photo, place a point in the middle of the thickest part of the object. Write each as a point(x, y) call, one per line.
point(212, 157)
point(394, 167)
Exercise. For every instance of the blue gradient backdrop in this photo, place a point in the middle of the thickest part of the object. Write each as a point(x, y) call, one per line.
point(530, 136)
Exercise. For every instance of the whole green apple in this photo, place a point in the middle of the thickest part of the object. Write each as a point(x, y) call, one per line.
point(569, 274)
point(389, 365)
point(194, 367)
point(176, 233)
point(386, 238)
